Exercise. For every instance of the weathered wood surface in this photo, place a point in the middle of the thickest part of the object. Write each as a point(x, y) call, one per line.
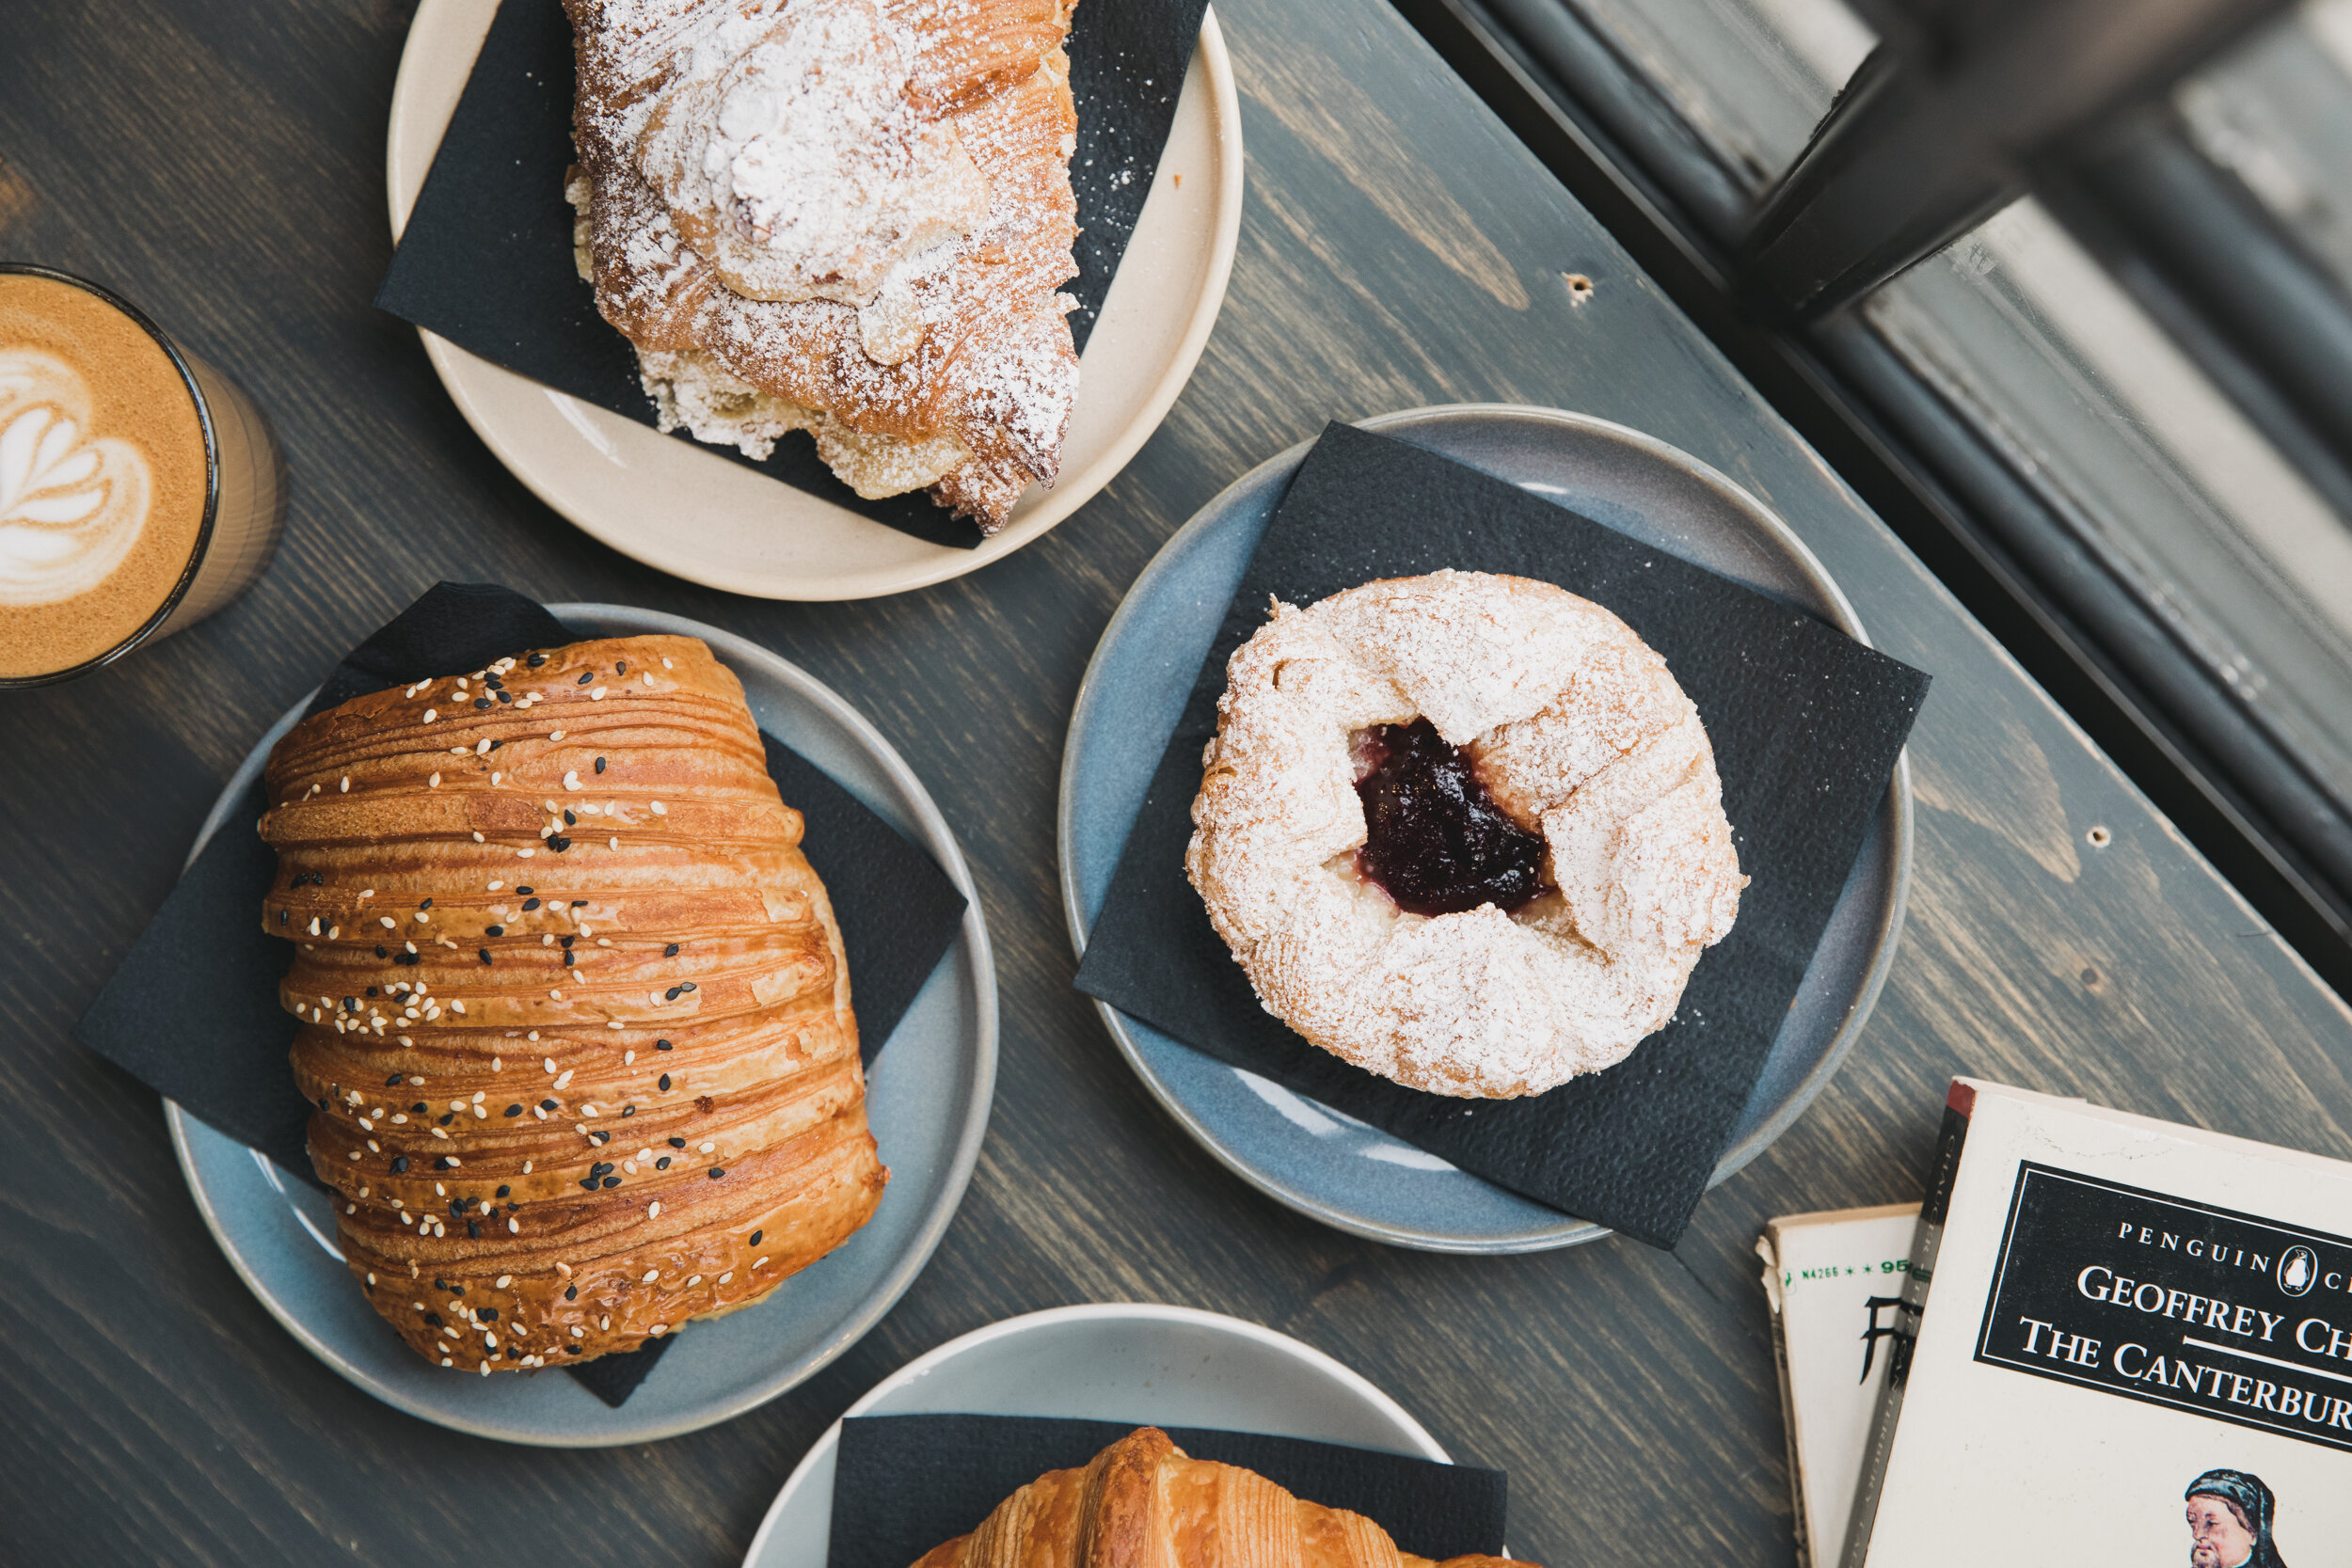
point(222, 164)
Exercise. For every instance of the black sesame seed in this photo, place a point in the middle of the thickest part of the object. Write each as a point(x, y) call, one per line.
point(503, 1191)
point(504, 697)
point(492, 682)
point(491, 1313)
point(567, 941)
point(447, 1117)
point(546, 1104)
point(441, 1162)
point(494, 930)
point(409, 959)
point(629, 1110)
point(665, 1082)
point(458, 1208)
point(282, 917)
point(570, 821)
point(485, 954)
point(524, 891)
point(585, 676)
point(426, 904)
point(670, 951)
point(571, 1350)
point(434, 1318)
point(600, 1168)
point(535, 660)
point(569, 961)
point(620, 668)
point(678, 1143)
point(372, 992)
point(662, 1163)
point(400, 1164)
point(756, 1235)
point(322, 1102)
point(393, 1079)
point(530, 904)
point(482, 702)
point(686, 985)
point(571, 1293)
point(579, 903)
point(379, 951)
point(419, 1107)
point(612, 1181)
point(512, 1111)
point(474, 1229)
point(601, 1137)
point(661, 1045)
point(600, 765)
point(718, 1171)
point(351, 1004)
point(669, 995)
point(588, 1184)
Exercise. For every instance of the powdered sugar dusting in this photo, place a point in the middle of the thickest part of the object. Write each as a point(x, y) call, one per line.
point(1578, 731)
point(959, 343)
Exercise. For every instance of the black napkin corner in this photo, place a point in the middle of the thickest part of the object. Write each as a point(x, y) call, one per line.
point(192, 1009)
point(1805, 722)
point(902, 1484)
point(486, 258)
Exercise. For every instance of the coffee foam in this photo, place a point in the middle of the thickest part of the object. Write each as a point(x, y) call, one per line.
point(101, 476)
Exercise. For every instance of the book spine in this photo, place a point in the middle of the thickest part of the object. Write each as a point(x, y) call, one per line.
point(1925, 1242)
point(1766, 1249)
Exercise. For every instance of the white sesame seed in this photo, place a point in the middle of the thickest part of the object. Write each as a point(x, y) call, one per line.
point(661, 810)
point(496, 776)
point(613, 843)
point(412, 947)
point(522, 854)
point(346, 789)
point(595, 694)
point(667, 665)
point(495, 886)
point(555, 735)
point(424, 917)
point(648, 679)
point(482, 747)
point(314, 925)
point(629, 1058)
point(479, 839)
point(694, 1280)
point(578, 1333)
point(333, 931)
point(571, 780)
point(431, 714)
point(458, 1006)
point(556, 995)
point(657, 1330)
point(457, 751)
point(726, 1276)
point(355, 1154)
point(590, 1110)
point(706, 1149)
point(563, 1078)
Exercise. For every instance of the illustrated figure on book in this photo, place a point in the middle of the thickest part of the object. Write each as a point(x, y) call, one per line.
point(2229, 1514)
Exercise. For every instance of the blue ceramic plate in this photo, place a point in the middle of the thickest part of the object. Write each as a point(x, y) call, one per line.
point(1154, 1366)
point(927, 1097)
point(1308, 1155)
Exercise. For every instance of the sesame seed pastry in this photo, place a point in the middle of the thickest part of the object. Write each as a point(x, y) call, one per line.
point(1464, 831)
point(851, 217)
point(1144, 1503)
point(573, 1013)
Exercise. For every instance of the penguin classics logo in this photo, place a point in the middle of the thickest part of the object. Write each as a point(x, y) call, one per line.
point(2299, 1266)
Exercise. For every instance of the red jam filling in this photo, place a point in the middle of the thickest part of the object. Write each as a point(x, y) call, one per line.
point(1435, 841)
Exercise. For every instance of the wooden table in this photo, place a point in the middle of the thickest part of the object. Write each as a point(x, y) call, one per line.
point(222, 164)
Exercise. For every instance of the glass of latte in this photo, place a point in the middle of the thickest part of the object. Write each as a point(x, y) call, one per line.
point(139, 489)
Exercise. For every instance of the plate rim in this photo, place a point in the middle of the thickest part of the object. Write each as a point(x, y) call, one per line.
point(1049, 1318)
point(943, 563)
point(962, 1163)
point(1568, 1231)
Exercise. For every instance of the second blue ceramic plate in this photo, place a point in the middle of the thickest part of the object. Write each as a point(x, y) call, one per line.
point(1307, 1155)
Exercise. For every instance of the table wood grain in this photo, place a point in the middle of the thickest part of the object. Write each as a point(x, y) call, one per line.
point(221, 164)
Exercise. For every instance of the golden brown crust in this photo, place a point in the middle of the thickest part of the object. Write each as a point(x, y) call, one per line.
point(574, 1010)
point(997, 368)
point(1143, 1503)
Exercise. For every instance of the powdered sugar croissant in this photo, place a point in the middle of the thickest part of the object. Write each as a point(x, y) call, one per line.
point(846, 217)
point(574, 1016)
point(1143, 1503)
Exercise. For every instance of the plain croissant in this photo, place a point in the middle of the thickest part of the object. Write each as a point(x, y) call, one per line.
point(1143, 1503)
point(575, 1021)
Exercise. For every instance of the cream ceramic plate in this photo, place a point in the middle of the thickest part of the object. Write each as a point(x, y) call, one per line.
point(710, 519)
point(1150, 1364)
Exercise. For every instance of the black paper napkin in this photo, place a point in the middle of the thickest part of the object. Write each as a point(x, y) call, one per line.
point(903, 1484)
point(486, 258)
point(192, 1010)
point(1805, 723)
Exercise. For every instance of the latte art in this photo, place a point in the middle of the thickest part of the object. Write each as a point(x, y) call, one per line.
point(71, 506)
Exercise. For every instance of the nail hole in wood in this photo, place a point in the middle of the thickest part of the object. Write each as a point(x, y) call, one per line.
point(2100, 838)
point(1579, 287)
